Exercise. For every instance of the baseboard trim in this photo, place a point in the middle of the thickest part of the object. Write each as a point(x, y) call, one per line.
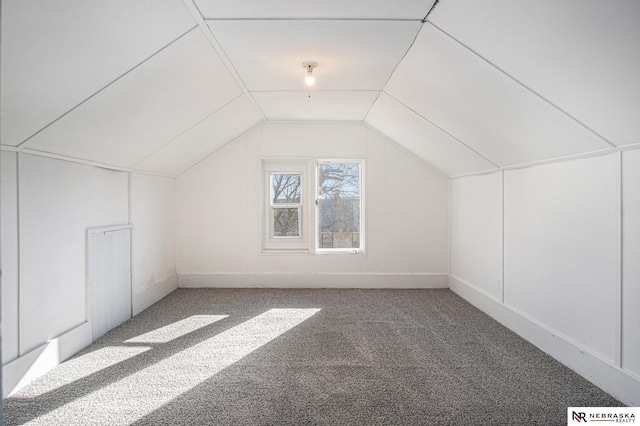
point(153, 294)
point(317, 280)
point(28, 367)
point(621, 384)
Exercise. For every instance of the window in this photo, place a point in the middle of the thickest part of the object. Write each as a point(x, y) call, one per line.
point(326, 194)
point(285, 222)
point(286, 204)
point(339, 207)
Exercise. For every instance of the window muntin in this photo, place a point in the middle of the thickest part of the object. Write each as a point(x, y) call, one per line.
point(339, 205)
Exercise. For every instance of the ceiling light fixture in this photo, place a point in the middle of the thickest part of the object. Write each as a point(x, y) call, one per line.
point(309, 66)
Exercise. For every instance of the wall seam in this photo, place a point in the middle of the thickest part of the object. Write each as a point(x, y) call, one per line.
point(503, 238)
point(620, 336)
point(18, 255)
point(450, 225)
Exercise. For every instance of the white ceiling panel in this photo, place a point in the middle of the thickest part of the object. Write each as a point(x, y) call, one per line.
point(351, 55)
point(479, 105)
point(204, 138)
point(340, 9)
point(146, 108)
point(424, 139)
point(582, 55)
point(322, 105)
point(55, 54)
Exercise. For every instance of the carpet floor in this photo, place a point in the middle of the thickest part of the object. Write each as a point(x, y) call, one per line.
point(306, 357)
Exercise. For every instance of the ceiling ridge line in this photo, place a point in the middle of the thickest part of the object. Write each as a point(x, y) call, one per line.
point(441, 129)
point(208, 33)
point(433, 6)
point(196, 124)
point(395, 68)
point(318, 19)
point(315, 90)
point(107, 86)
point(556, 107)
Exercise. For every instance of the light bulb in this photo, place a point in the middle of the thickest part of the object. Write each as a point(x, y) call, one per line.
point(310, 79)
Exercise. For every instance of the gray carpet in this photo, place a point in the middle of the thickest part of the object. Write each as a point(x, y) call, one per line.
point(307, 357)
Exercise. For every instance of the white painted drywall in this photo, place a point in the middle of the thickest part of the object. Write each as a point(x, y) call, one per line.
point(146, 109)
point(631, 262)
point(480, 106)
point(562, 283)
point(424, 138)
point(476, 232)
point(59, 200)
point(9, 249)
point(56, 55)
point(153, 215)
point(559, 62)
point(562, 249)
point(219, 214)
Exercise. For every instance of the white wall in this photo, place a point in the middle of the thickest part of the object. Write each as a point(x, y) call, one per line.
point(59, 200)
point(153, 215)
point(631, 262)
point(219, 215)
point(9, 250)
point(476, 232)
point(562, 261)
point(47, 207)
point(562, 249)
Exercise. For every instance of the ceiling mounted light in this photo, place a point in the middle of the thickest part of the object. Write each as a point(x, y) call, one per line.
point(309, 66)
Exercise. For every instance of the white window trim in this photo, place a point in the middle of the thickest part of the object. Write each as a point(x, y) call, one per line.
point(307, 243)
point(361, 249)
point(272, 244)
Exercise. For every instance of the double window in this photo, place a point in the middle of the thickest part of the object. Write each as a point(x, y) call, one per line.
point(313, 206)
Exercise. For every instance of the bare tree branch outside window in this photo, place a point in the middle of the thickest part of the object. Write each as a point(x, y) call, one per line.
point(339, 205)
point(286, 192)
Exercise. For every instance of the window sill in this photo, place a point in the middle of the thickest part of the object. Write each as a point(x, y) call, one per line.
point(279, 252)
point(339, 251)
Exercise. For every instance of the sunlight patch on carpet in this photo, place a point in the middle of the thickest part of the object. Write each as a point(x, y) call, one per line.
point(81, 367)
point(177, 329)
point(137, 395)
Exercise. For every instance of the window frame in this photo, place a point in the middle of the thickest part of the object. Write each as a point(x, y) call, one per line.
point(308, 216)
point(290, 244)
point(361, 168)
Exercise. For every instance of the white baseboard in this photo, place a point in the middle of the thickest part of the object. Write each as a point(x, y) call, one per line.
point(153, 294)
point(26, 368)
point(318, 280)
point(619, 383)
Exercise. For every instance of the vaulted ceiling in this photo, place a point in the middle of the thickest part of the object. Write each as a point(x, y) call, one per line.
point(468, 86)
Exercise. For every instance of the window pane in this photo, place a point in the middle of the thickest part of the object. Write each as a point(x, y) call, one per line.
point(285, 188)
point(286, 222)
point(339, 205)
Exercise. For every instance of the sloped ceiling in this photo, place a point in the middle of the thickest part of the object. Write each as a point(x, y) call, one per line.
point(158, 85)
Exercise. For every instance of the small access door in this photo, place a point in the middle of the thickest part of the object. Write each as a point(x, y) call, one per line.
point(109, 278)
